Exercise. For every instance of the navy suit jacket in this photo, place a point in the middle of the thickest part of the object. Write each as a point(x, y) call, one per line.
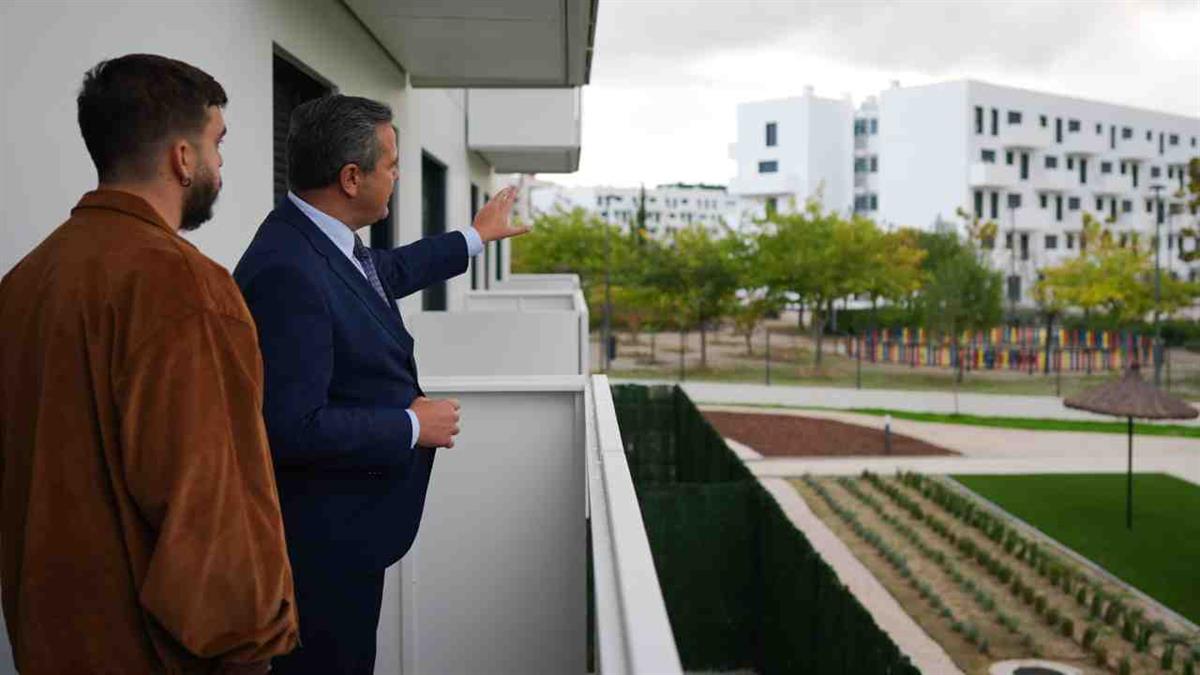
point(339, 377)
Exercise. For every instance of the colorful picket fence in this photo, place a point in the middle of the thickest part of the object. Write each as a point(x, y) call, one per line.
point(1020, 348)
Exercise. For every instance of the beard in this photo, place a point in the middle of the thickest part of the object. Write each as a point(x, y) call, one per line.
point(199, 200)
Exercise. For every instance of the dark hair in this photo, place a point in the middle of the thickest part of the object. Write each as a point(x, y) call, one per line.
point(131, 104)
point(330, 132)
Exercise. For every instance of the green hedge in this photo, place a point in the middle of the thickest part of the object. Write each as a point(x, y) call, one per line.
point(743, 587)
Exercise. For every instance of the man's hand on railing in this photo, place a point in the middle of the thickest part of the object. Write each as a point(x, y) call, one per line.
point(492, 221)
point(439, 421)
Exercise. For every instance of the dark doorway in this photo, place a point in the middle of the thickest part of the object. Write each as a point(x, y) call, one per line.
point(1024, 166)
point(433, 221)
point(1083, 171)
point(474, 259)
point(291, 87)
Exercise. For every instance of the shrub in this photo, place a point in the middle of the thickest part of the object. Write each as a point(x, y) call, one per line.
point(1125, 668)
point(1052, 616)
point(1112, 613)
point(1097, 606)
point(1101, 653)
point(1027, 595)
point(1089, 637)
point(1189, 667)
point(1039, 604)
point(1168, 657)
point(1067, 628)
point(1128, 630)
point(1081, 596)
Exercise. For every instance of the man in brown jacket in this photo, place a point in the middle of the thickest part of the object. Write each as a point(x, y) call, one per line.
point(139, 520)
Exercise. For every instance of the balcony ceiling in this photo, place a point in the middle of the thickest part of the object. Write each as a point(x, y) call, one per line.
point(495, 43)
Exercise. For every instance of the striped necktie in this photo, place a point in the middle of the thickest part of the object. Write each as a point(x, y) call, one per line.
point(364, 258)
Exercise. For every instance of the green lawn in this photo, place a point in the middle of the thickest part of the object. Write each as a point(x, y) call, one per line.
point(1087, 513)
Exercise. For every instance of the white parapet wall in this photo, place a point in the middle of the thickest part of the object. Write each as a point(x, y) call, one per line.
point(497, 579)
point(505, 333)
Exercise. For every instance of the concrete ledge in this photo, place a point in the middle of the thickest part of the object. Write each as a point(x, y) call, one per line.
point(927, 655)
point(743, 451)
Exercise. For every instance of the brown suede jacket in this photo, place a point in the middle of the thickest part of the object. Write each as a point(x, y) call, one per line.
point(139, 521)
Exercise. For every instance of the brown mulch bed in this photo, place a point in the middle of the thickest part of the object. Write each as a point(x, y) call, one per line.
point(792, 436)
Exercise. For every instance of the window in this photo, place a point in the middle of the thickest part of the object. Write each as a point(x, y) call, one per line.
point(1070, 241)
point(433, 222)
point(860, 203)
point(1105, 167)
point(1014, 117)
point(874, 126)
point(874, 201)
point(874, 164)
point(1099, 129)
point(978, 119)
point(1127, 205)
point(1073, 203)
point(1051, 242)
point(1073, 126)
point(1014, 200)
point(860, 165)
point(1174, 139)
point(770, 167)
point(1043, 121)
point(988, 156)
point(1014, 288)
point(1149, 135)
point(1124, 168)
point(1051, 162)
point(1099, 203)
point(1043, 200)
point(1149, 205)
point(1008, 157)
point(860, 127)
point(978, 203)
point(1155, 171)
point(995, 205)
point(1126, 133)
point(1193, 145)
point(291, 86)
point(1070, 163)
point(995, 121)
point(771, 129)
point(1008, 241)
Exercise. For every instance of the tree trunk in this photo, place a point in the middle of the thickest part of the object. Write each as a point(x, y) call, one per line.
point(749, 347)
point(703, 345)
point(818, 324)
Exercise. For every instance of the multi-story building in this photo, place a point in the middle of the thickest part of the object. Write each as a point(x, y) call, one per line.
point(1031, 162)
point(668, 207)
point(790, 150)
point(485, 588)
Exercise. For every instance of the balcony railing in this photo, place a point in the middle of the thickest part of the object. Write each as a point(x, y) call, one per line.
point(1025, 136)
point(986, 174)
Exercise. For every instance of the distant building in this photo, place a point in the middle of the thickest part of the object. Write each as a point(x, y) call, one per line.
point(1032, 162)
point(668, 207)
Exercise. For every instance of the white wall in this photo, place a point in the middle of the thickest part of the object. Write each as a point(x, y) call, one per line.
point(922, 154)
point(45, 48)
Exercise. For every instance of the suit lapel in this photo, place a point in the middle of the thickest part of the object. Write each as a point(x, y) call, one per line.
point(387, 316)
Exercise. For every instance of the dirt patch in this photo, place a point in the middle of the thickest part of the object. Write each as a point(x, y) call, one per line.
point(793, 436)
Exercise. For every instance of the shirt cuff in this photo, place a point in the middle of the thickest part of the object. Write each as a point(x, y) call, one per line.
point(416, 427)
point(474, 242)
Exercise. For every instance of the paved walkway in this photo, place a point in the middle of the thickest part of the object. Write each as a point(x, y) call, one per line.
point(994, 405)
point(987, 450)
point(927, 655)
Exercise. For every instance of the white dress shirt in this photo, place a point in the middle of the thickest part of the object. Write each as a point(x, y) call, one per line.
point(343, 239)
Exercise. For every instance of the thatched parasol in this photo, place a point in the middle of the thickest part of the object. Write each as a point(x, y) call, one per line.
point(1131, 397)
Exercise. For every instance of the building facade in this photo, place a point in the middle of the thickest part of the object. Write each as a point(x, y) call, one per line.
point(1033, 163)
point(668, 207)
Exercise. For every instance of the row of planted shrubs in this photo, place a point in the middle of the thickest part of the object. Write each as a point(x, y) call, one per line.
point(1100, 605)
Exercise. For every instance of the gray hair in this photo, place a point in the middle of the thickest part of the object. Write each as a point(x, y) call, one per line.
point(330, 132)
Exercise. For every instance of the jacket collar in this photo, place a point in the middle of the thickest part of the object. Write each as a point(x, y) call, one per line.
point(387, 315)
point(123, 202)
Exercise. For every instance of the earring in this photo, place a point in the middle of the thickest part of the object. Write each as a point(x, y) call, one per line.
point(186, 182)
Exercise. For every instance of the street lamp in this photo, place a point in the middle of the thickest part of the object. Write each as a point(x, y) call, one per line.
point(1158, 218)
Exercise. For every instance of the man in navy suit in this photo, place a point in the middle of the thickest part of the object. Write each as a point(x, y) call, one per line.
point(352, 435)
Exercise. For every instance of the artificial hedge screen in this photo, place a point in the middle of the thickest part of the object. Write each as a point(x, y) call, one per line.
point(743, 587)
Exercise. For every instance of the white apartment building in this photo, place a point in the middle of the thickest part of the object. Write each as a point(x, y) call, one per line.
point(668, 207)
point(1032, 162)
point(790, 150)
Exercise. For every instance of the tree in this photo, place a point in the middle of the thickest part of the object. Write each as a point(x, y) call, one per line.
point(704, 277)
point(757, 300)
point(960, 292)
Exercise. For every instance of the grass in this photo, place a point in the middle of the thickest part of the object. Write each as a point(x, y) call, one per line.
point(1086, 512)
point(1030, 423)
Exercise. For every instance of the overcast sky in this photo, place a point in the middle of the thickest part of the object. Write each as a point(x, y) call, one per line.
point(668, 74)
